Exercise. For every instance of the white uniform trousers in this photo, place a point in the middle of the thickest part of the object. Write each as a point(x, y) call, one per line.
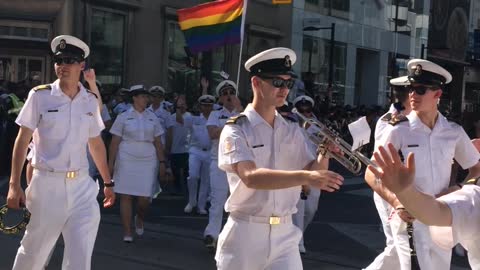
point(218, 197)
point(60, 206)
point(198, 171)
point(430, 255)
point(245, 245)
point(306, 210)
point(388, 259)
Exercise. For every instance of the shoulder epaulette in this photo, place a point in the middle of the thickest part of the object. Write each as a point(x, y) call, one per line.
point(91, 92)
point(387, 117)
point(397, 119)
point(472, 181)
point(42, 87)
point(290, 118)
point(233, 120)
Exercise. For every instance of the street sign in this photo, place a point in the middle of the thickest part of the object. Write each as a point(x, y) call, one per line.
point(277, 2)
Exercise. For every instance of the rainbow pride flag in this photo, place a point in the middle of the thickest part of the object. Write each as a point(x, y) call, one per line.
point(212, 24)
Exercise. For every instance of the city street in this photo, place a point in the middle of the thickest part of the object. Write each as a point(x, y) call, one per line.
point(344, 235)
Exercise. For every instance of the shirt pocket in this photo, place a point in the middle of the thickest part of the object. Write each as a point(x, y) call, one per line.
point(261, 154)
point(421, 162)
point(85, 122)
point(54, 124)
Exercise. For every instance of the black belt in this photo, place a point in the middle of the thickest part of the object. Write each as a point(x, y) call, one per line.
point(413, 252)
point(17, 228)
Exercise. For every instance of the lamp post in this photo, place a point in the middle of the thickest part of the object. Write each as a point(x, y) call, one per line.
point(330, 60)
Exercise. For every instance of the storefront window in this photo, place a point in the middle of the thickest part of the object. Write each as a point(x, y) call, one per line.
point(315, 68)
point(108, 46)
point(185, 69)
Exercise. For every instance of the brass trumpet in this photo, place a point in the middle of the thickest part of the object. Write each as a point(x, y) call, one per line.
point(350, 159)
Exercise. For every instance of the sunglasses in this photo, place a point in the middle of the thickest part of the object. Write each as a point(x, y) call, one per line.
point(420, 89)
point(228, 92)
point(278, 82)
point(304, 109)
point(66, 60)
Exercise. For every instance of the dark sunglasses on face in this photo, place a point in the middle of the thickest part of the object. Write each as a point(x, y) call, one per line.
point(420, 89)
point(228, 92)
point(305, 109)
point(278, 82)
point(66, 60)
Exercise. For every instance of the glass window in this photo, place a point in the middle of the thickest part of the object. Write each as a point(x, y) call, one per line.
point(185, 68)
point(107, 36)
point(337, 8)
point(315, 68)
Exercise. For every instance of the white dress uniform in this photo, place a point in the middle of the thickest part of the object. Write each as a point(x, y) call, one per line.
point(165, 118)
point(136, 164)
point(61, 196)
point(92, 169)
point(434, 151)
point(218, 178)
point(388, 259)
point(121, 108)
point(465, 223)
point(198, 161)
point(248, 241)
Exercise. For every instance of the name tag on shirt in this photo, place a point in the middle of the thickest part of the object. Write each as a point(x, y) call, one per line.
point(258, 146)
point(223, 117)
point(412, 145)
point(52, 111)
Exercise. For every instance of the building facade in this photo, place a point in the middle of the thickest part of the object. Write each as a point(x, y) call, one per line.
point(131, 41)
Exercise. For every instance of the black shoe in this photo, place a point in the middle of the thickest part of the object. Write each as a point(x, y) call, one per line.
point(209, 242)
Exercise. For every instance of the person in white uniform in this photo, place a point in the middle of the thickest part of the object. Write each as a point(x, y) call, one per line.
point(136, 159)
point(199, 156)
point(267, 160)
point(63, 118)
point(227, 92)
point(388, 259)
point(308, 204)
point(453, 218)
point(159, 106)
point(435, 142)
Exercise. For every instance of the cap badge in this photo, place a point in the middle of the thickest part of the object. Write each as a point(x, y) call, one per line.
point(418, 70)
point(63, 44)
point(288, 62)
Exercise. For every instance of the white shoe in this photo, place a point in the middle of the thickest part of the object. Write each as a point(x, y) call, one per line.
point(127, 239)
point(138, 230)
point(202, 211)
point(188, 209)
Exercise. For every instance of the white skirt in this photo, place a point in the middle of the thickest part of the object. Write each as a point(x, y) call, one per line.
point(136, 169)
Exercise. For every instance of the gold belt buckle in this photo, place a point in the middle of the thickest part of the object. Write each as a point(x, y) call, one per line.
point(274, 220)
point(71, 174)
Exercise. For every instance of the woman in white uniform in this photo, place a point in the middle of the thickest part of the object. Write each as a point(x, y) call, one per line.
point(136, 158)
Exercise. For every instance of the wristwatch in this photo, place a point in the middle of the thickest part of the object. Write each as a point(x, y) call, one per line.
point(109, 184)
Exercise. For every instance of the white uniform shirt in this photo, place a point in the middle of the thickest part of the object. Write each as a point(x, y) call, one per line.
point(434, 149)
point(163, 114)
point(465, 208)
point(133, 126)
point(105, 114)
point(283, 147)
point(382, 124)
point(180, 135)
point(198, 132)
point(61, 126)
point(218, 119)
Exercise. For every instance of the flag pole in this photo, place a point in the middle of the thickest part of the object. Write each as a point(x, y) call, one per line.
point(242, 34)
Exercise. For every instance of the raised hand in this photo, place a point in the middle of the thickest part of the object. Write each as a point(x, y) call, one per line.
point(90, 76)
point(391, 171)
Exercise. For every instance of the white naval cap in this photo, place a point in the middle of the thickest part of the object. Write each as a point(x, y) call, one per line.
point(224, 84)
point(65, 45)
point(156, 90)
point(206, 99)
point(276, 61)
point(137, 90)
point(426, 72)
point(300, 100)
point(400, 81)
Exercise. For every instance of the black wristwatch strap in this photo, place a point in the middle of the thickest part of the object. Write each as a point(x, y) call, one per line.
point(109, 184)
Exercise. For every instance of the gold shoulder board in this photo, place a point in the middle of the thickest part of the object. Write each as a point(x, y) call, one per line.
point(234, 119)
point(387, 117)
point(397, 119)
point(42, 87)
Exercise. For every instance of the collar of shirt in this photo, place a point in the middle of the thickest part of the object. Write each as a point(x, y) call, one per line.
point(416, 122)
point(57, 91)
point(255, 119)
